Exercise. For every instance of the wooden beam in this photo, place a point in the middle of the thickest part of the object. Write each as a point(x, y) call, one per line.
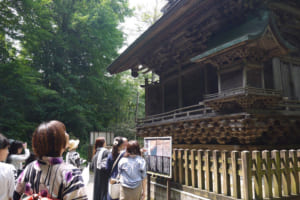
point(284, 7)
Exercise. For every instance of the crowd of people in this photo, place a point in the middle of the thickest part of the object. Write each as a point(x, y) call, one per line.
point(119, 172)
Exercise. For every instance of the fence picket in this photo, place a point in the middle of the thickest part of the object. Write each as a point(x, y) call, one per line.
point(175, 165)
point(180, 165)
point(225, 174)
point(258, 174)
point(235, 175)
point(286, 179)
point(193, 174)
point(277, 174)
point(294, 173)
point(268, 173)
point(187, 178)
point(217, 177)
point(208, 175)
point(247, 174)
point(200, 169)
point(298, 164)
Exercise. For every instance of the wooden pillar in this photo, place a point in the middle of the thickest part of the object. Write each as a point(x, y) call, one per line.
point(277, 77)
point(168, 189)
point(163, 96)
point(263, 77)
point(205, 80)
point(146, 97)
point(148, 186)
point(245, 76)
point(219, 81)
point(180, 97)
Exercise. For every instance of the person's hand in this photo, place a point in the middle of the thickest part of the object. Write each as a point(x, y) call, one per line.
point(143, 196)
point(112, 181)
point(25, 145)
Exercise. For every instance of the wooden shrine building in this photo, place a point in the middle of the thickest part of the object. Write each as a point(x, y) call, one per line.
point(229, 72)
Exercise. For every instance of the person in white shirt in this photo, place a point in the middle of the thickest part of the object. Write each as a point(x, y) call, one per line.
point(7, 183)
point(15, 157)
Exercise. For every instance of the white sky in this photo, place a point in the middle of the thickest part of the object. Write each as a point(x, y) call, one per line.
point(130, 24)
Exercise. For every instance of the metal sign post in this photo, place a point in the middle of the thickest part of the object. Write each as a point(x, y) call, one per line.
point(158, 156)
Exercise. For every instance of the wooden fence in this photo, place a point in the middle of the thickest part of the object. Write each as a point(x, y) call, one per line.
point(239, 175)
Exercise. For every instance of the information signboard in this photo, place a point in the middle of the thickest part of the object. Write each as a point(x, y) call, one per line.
point(158, 155)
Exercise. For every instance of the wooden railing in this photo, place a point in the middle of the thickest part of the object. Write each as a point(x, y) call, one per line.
point(239, 175)
point(190, 111)
point(243, 90)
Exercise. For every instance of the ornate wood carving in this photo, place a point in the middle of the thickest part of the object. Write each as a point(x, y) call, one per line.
point(235, 129)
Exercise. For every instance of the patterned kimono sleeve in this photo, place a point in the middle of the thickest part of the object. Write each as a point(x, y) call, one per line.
point(22, 185)
point(74, 187)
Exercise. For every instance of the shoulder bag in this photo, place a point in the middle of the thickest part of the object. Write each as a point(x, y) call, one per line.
point(114, 189)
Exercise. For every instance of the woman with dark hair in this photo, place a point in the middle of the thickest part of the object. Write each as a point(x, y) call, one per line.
point(49, 176)
point(132, 172)
point(7, 179)
point(113, 160)
point(99, 166)
point(15, 157)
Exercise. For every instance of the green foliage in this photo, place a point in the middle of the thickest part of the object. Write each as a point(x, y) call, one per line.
point(58, 70)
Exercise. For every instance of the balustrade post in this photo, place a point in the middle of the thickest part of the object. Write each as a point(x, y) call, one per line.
point(217, 177)
point(286, 178)
point(235, 175)
point(294, 177)
point(175, 165)
point(268, 173)
point(258, 174)
point(193, 174)
point(226, 177)
point(180, 165)
point(186, 167)
point(208, 175)
point(277, 173)
point(200, 169)
point(247, 174)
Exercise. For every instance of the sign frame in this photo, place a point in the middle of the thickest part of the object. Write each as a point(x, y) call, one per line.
point(166, 138)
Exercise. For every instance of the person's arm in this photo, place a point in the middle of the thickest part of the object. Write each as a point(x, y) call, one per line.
point(143, 171)
point(21, 157)
point(109, 163)
point(11, 183)
point(144, 185)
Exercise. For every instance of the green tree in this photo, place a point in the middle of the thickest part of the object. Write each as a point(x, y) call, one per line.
point(60, 71)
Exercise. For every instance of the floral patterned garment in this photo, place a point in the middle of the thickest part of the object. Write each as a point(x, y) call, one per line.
point(52, 178)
